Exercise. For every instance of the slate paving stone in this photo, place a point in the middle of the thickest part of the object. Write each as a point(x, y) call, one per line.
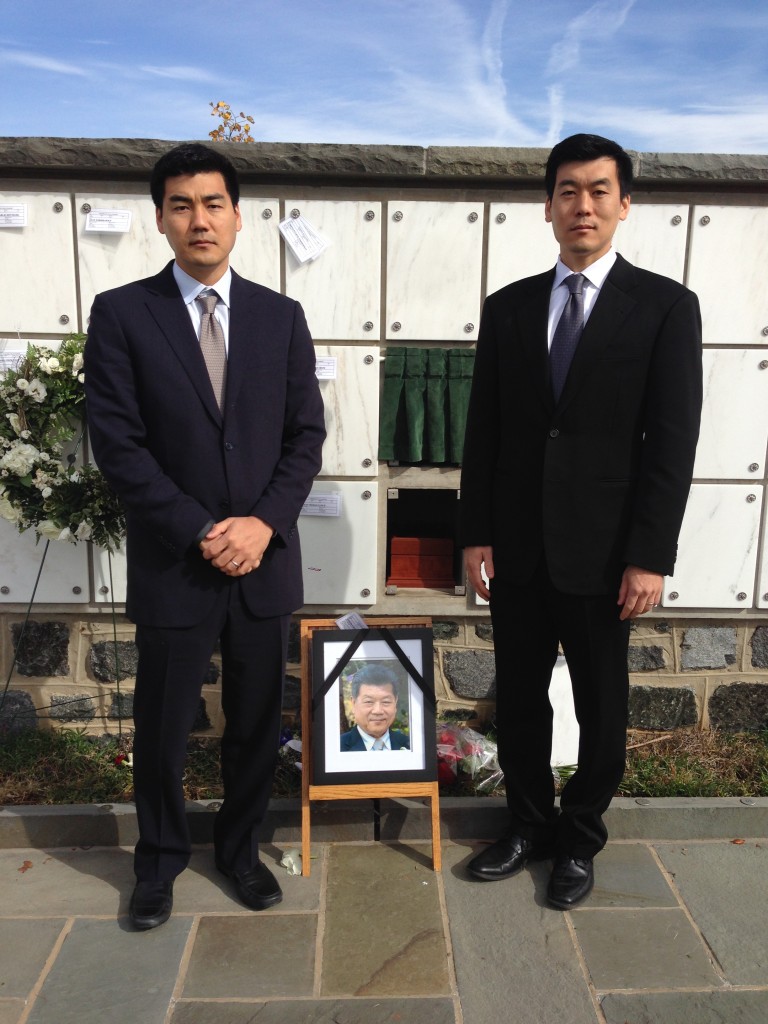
point(732, 913)
point(24, 948)
point(253, 956)
point(664, 951)
point(626, 875)
point(66, 882)
point(687, 1008)
point(315, 1011)
point(383, 926)
point(104, 971)
point(502, 935)
point(11, 1010)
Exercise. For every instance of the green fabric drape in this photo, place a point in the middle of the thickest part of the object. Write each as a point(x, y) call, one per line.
point(424, 404)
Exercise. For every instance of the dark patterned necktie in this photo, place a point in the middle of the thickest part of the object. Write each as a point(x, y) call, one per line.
point(567, 334)
point(212, 345)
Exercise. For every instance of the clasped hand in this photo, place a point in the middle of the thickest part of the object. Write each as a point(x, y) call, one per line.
point(236, 545)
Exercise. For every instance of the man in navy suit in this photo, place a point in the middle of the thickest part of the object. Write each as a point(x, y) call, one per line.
point(577, 465)
point(205, 417)
point(374, 704)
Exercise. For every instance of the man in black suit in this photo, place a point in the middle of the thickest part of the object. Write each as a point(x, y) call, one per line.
point(374, 703)
point(206, 418)
point(578, 459)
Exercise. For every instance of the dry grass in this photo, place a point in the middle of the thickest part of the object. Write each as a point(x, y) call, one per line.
point(66, 767)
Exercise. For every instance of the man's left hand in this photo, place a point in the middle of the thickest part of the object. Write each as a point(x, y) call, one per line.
point(237, 545)
point(640, 591)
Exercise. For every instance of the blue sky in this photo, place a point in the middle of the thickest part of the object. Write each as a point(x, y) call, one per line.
point(657, 75)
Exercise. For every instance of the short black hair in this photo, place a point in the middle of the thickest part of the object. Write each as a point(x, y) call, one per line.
point(374, 674)
point(192, 158)
point(588, 147)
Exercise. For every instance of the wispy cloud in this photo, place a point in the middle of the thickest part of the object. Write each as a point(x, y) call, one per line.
point(601, 21)
point(41, 62)
point(180, 73)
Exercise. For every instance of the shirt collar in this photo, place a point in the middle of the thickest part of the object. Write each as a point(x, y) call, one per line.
point(369, 740)
point(191, 288)
point(595, 273)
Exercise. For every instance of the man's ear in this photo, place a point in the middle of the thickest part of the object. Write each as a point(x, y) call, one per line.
point(159, 220)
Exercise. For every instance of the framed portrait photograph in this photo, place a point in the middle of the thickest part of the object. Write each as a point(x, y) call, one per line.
point(373, 706)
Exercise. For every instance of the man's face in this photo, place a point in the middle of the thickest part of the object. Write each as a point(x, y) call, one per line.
point(585, 209)
point(375, 708)
point(200, 223)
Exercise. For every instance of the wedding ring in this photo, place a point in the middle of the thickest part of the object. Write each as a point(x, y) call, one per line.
point(236, 564)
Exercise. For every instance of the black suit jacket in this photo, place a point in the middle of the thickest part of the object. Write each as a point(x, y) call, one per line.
point(177, 462)
point(352, 740)
point(601, 480)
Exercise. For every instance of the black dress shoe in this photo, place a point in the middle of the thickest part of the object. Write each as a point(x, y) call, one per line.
point(151, 904)
point(257, 887)
point(571, 882)
point(506, 857)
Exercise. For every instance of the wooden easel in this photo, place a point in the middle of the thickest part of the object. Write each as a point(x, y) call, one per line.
point(311, 792)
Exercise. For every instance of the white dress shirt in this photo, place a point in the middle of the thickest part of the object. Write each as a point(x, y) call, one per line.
point(594, 276)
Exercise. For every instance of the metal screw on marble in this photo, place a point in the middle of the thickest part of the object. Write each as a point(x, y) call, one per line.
point(753, 467)
point(368, 326)
point(5, 590)
point(677, 219)
point(468, 328)
point(366, 495)
point(367, 463)
point(704, 221)
point(674, 595)
point(397, 215)
point(58, 207)
point(396, 325)
point(63, 319)
point(369, 215)
point(86, 207)
point(266, 214)
point(763, 364)
point(365, 592)
point(500, 218)
point(368, 359)
point(751, 498)
point(472, 217)
point(741, 596)
point(764, 333)
point(104, 590)
point(77, 590)
point(295, 213)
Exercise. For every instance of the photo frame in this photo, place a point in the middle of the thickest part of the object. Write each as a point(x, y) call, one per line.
point(383, 677)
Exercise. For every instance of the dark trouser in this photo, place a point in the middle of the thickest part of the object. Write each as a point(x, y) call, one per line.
point(528, 623)
point(172, 666)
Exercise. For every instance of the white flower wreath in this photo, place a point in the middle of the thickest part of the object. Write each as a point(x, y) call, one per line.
point(41, 484)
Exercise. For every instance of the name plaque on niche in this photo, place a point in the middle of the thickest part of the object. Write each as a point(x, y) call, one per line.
point(13, 215)
point(108, 222)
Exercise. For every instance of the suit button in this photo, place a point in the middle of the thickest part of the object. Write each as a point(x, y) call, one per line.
point(554, 432)
point(228, 446)
point(224, 506)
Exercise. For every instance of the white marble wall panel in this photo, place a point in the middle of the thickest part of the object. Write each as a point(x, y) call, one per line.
point(38, 266)
point(64, 577)
point(718, 548)
point(109, 260)
point(434, 258)
point(339, 552)
point(654, 237)
point(734, 423)
point(520, 243)
point(351, 402)
point(762, 580)
point(340, 290)
point(727, 270)
point(102, 585)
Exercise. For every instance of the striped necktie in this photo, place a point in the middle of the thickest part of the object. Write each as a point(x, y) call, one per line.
point(567, 334)
point(212, 345)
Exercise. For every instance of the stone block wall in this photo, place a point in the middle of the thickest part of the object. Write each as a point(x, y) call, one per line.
point(73, 673)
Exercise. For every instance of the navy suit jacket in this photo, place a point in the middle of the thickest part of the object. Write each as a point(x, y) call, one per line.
point(177, 462)
point(352, 740)
point(600, 480)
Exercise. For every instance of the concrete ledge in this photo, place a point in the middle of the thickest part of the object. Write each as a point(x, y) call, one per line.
point(353, 820)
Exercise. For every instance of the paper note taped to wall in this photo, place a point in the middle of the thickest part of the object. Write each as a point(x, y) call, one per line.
point(322, 505)
point(13, 215)
point(302, 239)
point(108, 222)
point(325, 368)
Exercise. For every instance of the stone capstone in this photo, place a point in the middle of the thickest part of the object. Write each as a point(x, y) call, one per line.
point(739, 707)
point(42, 648)
point(709, 647)
point(471, 674)
point(662, 707)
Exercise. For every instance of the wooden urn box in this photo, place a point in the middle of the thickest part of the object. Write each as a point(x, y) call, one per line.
point(421, 562)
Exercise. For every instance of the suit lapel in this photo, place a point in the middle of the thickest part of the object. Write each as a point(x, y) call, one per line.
point(170, 313)
point(611, 309)
point(244, 329)
point(532, 314)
